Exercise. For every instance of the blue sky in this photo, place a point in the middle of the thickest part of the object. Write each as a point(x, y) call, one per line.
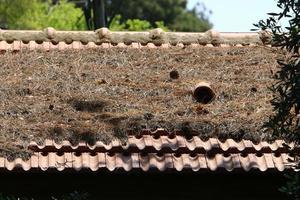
point(236, 15)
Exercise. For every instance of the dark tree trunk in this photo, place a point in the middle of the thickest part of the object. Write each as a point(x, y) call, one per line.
point(99, 14)
point(87, 9)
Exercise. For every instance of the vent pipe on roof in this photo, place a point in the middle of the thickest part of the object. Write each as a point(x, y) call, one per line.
point(203, 93)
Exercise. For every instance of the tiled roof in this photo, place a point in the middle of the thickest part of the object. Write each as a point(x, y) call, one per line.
point(149, 151)
point(52, 39)
point(152, 152)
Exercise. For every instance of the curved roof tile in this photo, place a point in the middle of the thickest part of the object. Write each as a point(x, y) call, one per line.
point(147, 152)
point(50, 38)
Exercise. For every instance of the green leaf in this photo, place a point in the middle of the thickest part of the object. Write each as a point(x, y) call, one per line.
point(273, 14)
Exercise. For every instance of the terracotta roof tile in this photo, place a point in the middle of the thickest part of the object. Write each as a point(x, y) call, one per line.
point(150, 161)
point(164, 143)
point(236, 161)
point(147, 153)
point(280, 161)
point(17, 40)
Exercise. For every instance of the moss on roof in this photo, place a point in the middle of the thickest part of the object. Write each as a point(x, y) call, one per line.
point(98, 94)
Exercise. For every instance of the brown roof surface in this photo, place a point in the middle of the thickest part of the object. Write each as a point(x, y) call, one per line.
point(160, 150)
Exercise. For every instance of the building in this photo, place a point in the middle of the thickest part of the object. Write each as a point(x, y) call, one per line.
point(114, 114)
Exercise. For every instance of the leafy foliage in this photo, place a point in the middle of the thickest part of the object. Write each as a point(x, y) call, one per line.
point(161, 24)
point(136, 15)
point(188, 22)
point(286, 102)
point(38, 14)
point(65, 15)
point(133, 24)
point(116, 24)
point(137, 25)
point(172, 13)
point(287, 37)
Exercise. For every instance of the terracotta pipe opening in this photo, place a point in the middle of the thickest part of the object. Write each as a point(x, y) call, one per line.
point(203, 93)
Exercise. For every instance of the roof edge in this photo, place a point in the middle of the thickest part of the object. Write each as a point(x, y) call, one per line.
point(155, 36)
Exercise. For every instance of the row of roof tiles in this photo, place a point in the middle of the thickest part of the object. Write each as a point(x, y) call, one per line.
point(32, 45)
point(146, 162)
point(147, 152)
point(52, 39)
point(165, 143)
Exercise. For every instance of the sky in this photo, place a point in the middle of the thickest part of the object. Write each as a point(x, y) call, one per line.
point(236, 15)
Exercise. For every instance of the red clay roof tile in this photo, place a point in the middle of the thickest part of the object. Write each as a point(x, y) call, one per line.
point(147, 153)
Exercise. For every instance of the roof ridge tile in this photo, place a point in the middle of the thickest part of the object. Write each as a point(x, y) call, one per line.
point(50, 38)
